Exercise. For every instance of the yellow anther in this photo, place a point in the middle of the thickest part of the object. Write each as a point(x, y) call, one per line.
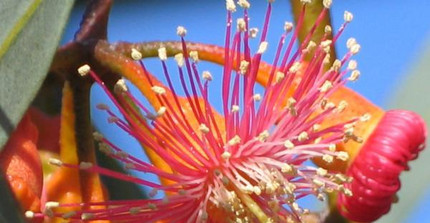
point(135, 54)
point(262, 47)
point(162, 54)
point(303, 136)
point(179, 58)
point(203, 128)
point(288, 26)
point(288, 144)
point(181, 31)
point(84, 70)
point(158, 90)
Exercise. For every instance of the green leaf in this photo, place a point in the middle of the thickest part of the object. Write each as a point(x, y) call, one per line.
point(9, 210)
point(30, 33)
point(413, 95)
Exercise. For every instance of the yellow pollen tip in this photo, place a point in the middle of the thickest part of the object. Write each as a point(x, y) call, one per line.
point(234, 141)
point(332, 147)
point(327, 3)
point(194, 55)
point(51, 204)
point(152, 206)
point(158, 90)
point(349, 131)
point(347, 16)
point(135, 54)
point(352, 65)
point(55, 162)
point(288, 144)
point(306, 1)
point(326, 43)
point(342, 155)
point(286, 168)
point(342, 105)
point(182, 192)
point(225, 180)
point(235, 108)
point(103, 147)
point(303, 136)
point(366, 117)
point(327, 29)
point(262, 47)
point(243, 66)
point(327, 85)
point(244, 4)
point(68, 214)
point(336, 65)
point(122, 154)
point(97, 136)
point(279, 76)
point(181, 31)
point(318, 182)
point(207, 75)
point(256, 97)
point(134, 210)
point(263, 136)
point(29, 214)
point(130, 166)
point(296, 207)
point(347, 192)
point(226, 155)
point(295, 67)
point(350, 42)
point(326, 59)
point(203, 215)
point(87, 216)
point(321, 172)
point(85, 165)
point(288, 26)
point(230, 5)
point(113, 119)
point(241, 25)
point(253, 33)
point(355, 48)
point(120, 86)
point(162, 53)
point(311, 45)
point(102, 106)
point(355, 74)
point(161, 111)
point(256, 190)
point(316, 127)
point(327, 158)
point(341, 177)
point(84, 70)
point(203, 128)
point(321, 197)
point(291, 102)
point(179, 58)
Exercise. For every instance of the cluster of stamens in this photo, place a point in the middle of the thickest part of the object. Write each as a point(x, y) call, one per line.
point(250, 167)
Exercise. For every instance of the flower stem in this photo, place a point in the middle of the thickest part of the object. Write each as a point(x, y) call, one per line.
point(313, 11)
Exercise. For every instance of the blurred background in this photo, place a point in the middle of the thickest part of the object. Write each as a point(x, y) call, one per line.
point(394, 60)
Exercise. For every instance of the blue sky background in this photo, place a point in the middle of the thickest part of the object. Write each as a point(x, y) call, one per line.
point(392, 33)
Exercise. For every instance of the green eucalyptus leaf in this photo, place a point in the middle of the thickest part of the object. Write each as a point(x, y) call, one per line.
point(413, 95)
point(30, 33)
point(9, 211)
